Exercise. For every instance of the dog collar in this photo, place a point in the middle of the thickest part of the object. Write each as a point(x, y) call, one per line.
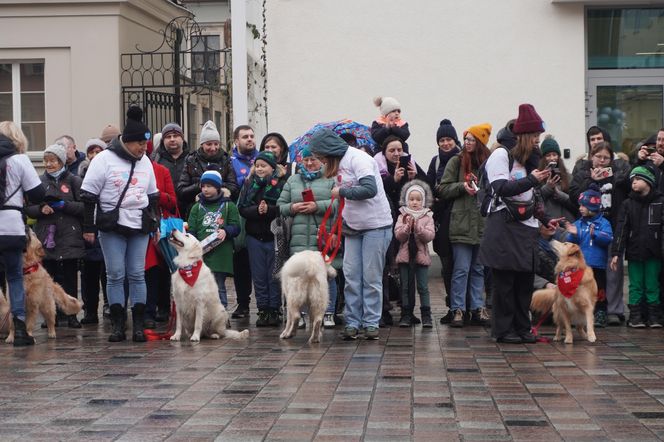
point(190, 273)
point(31, 269)
point(568, 281)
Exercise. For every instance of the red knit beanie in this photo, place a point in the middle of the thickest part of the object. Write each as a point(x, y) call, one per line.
point(528, 121)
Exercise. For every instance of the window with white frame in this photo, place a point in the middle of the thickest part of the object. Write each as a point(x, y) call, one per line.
point(22, 99)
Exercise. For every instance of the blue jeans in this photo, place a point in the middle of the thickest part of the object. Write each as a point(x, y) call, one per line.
point(364, 259)
point(332, 286)
point(261, 263)
point(124, 255)
point(220, 277)
point(465, 264)
point(13, 260)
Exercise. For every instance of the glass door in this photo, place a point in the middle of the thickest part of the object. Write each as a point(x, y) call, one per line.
point(630, 109)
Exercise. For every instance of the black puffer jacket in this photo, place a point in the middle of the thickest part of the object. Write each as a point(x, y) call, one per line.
point(194, 165)
point(612, 196)
point(174, 166)
point(639, 229)
point(67, 221)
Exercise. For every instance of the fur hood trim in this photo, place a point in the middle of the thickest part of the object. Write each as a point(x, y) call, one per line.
point(428, 195)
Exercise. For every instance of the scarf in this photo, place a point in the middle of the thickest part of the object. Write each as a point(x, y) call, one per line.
point(190, 273)
point(57, 173)
point(383, 121)
point(568, 281)
point(307, 175)
point(417, 214)
point(269, 189)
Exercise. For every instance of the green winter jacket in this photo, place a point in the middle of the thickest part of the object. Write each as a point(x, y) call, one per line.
point(304, 231)
point(219, 259)
point(466, 222)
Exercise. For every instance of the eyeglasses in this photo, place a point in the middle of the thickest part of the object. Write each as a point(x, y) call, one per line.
point(469, 140)
point(602, 157)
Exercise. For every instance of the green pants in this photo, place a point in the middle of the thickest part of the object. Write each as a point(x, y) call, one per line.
point(422, 281)
point(644, 281)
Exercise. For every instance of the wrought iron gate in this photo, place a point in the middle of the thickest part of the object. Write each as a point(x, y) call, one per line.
point(182, 65)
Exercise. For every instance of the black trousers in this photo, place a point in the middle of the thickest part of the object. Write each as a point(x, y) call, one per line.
point(512, 293)
point(93, 275)
point(158, 285)
point(65, 273)
point(242, 277)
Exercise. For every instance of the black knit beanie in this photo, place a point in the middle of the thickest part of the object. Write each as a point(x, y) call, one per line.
point(134, 129)
point(446, 130)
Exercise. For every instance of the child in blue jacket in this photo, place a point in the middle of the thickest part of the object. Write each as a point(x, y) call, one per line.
point(593, 233)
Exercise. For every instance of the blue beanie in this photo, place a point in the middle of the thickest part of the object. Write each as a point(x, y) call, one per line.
point(591, 199)
point(213, 178)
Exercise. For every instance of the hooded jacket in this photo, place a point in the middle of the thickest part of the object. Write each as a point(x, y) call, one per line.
point(594, 236)
point(639, 227)
point(242, 164)
point(424, 229)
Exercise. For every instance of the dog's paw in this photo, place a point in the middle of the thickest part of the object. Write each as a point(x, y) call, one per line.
point(592, 337)
point(569, 340)
point(244, 334)
point(283, 335)
point(9, 340)
point(51, 335)
point(195, 338)
point(314, 340)
point(214, 336)
point(175, 337)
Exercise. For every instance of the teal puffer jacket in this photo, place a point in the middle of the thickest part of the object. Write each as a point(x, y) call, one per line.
point(304, 231)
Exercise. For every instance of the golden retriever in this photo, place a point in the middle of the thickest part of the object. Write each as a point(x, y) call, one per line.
point(199, 311)
point(41, 293)
point(304, 282)
point(578, 306)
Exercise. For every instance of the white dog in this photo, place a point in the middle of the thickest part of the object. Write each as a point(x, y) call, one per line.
point(197, 303)
point(304, 282)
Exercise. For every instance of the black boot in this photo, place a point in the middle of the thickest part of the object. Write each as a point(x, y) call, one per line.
point(72, 322)
point(90, 318)
point(426, 317)
point(406, 317)
point(138, 326)
point(21, 336)
point(118, 318)
point(635, 317)
point(654, 316)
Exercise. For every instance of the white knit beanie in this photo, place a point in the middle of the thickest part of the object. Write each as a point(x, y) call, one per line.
point(209, 132)
point(59, 151)
point(387, 104)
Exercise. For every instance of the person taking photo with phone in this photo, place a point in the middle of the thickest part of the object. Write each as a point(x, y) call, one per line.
point(555, 192)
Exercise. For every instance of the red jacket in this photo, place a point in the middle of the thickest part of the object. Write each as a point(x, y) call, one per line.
point(167, 206)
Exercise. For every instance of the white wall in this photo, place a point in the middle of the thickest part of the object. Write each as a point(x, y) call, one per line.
point(471, 61)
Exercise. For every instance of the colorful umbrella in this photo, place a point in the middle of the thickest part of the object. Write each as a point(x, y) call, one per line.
point(358, 130)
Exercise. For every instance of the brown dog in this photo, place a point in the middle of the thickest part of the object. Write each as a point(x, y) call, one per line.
point(41, 293)
point(574, 298)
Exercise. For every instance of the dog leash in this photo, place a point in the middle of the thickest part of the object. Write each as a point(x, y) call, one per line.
point(535, 330)
point(152, 335)
point(325, 238)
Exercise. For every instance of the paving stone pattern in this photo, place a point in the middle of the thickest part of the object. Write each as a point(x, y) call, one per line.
point(412, 384)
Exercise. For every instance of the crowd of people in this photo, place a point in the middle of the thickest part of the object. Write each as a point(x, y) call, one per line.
point(488, 212)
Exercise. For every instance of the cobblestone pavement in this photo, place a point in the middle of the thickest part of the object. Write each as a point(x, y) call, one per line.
point(412, 384)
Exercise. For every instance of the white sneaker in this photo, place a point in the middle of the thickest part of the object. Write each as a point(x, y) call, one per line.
point(301, 322)
point(328, 320)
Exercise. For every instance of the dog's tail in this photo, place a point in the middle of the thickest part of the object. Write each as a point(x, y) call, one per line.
point(543, 300)
point(68, 304)
point(237, 335)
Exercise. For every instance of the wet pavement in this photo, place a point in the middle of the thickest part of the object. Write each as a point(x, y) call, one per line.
point(412, 384)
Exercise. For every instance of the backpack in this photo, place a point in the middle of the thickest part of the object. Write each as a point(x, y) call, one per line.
point(3, 185)
point(486, 198)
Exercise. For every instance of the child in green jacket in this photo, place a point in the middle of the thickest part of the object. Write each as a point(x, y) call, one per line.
point(215, 214)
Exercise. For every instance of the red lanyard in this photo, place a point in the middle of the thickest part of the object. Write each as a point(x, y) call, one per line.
point(325, 238)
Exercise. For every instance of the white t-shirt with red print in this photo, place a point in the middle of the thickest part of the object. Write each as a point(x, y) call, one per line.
point(107, 177)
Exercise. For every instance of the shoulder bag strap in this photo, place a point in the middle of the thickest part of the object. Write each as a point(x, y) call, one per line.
point(124, 191)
